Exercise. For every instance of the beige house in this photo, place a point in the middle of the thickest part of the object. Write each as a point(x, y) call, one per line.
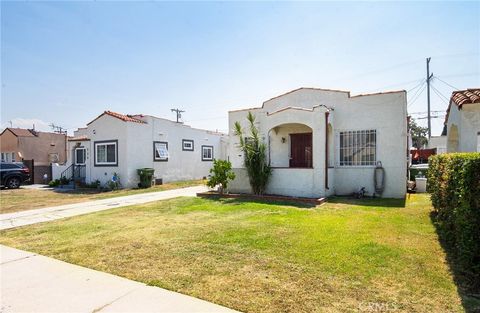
point(463, 121)
point(44, 148)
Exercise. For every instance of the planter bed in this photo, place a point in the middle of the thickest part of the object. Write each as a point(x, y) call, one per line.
point(214, 194)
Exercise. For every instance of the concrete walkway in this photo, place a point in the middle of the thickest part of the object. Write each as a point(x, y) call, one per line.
point(11, 220)
point(35, 283)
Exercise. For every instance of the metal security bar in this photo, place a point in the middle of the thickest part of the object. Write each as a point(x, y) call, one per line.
point(358, 148)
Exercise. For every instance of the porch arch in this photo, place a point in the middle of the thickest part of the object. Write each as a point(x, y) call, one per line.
point(290, 145)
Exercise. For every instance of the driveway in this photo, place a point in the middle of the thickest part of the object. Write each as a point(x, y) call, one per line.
point(35, 283)
point(12, 220)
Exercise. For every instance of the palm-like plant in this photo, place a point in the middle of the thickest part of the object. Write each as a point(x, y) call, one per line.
point(255, 159)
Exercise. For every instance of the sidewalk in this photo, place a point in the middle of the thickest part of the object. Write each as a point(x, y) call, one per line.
point(11, 220)
point(35, 283)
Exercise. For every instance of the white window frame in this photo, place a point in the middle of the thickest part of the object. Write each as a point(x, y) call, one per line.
point(205, 148)
point(84, 155)
point(105, 143)
point(4, 159)
point(356, 146)
point(13, 157)
point(190, 142)
point(160, 147)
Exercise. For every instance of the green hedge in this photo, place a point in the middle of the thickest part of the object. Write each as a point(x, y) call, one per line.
point(454, 184)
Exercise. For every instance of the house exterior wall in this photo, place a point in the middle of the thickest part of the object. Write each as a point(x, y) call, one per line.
point(35, 148)
point(385, 113)
point(439, 143)
point(467, 123)
point(8, 144)
point(135, 143)
point(39, 147)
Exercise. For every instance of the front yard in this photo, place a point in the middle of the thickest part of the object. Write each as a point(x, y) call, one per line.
point(14, 200)
point(343, 256)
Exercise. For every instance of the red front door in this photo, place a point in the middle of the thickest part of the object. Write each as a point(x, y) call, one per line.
point(301, 150)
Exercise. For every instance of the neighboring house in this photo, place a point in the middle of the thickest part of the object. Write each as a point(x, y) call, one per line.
point(420, 156)
point(25, 145)
point(439, 143)
point(116, 143)
point(463, 121)
point(327, 142)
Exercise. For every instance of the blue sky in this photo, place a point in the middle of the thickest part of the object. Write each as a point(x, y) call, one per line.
point(67, 62)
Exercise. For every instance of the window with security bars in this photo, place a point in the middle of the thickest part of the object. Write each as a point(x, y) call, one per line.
point(358, 148)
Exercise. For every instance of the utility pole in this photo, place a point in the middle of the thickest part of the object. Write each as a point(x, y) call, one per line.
point(429, 77)
point(179, 114)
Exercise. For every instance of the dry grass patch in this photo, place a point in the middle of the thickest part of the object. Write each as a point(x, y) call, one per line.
point(258, 257)
point(27, 199)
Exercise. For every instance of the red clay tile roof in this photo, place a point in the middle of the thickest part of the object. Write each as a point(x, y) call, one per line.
point(123, 117)
point(462, 97)
point(21, 132)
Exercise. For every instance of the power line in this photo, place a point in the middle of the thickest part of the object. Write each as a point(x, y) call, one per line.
point(436, 77)
point(420, 83)
point(423, 113)
point(440, 95)
point(417, 94)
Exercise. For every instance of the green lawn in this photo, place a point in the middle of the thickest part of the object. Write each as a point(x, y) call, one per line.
point(342, 256)
point(14, 200)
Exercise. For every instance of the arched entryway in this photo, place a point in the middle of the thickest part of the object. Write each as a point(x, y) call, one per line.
point(291, 146)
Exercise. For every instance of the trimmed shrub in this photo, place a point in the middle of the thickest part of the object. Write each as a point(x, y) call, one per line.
point(222, 173)
point(454, 184)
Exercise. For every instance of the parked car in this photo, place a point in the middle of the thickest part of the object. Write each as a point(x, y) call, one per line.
point(13, 174)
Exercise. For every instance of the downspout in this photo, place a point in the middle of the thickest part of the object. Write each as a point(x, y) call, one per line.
point(326, 149)
point(269, 155)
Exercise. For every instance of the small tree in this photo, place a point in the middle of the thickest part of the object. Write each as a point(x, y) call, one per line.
point(254, 153)
point(222, 173)
point(419, 134)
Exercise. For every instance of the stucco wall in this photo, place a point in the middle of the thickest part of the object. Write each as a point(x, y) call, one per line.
point(439, 143)
point(35, 148)
point(8, 142)
point(38, 148)
point(385, 113)
point(467, 120)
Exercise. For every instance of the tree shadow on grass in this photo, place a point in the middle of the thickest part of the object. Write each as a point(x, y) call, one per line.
point(368, 201)
point(467, 287)
point(241, 200)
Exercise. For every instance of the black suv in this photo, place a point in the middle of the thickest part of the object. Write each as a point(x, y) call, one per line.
point(13, 174)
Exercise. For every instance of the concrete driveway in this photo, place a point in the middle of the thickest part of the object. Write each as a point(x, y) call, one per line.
point(12, 220)
point(35, 283)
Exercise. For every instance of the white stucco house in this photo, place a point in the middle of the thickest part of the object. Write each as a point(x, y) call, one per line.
point(439, 143)
point(118, 143)
point(328, 142)
point(463, 121)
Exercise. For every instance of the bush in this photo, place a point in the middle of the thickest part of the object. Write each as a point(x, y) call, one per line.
point(64, 180)
point(114, 183)
point(93, 185)
point(54, 183)
point(222, 173)
point(454, 184)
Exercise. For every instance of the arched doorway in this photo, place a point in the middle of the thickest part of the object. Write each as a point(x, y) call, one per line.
point(291, 145)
